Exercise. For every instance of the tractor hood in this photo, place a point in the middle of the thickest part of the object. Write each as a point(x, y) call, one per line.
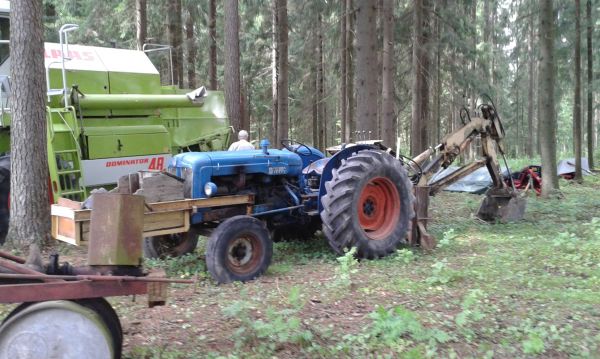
point(202, 166)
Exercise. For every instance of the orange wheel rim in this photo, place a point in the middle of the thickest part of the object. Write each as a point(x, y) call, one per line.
point(379, 208)
point(243, 254)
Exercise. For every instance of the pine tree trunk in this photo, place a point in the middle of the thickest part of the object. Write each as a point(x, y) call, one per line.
point(344, 79)
point(420, 87)
point(366, 68)
point(438, 80)
point(315, 95)
point(350, 102)
point(212, 48)
point(174, 35)
point(29, 210)
point(388, 120)
point(179, 36)
point(232, 64)
point(577, 98)
point(141, 22)
point(531, 101)
point(322, 121)
point(275, 74)
point(590, 77)
point(547, 118)
point(282, 79)
point(191, 46)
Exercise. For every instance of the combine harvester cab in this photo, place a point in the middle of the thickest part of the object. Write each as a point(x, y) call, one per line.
point(108, 115)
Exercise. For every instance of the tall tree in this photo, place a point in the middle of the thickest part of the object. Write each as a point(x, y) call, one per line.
point(366, 68)
point(282, 78)
point(275, 73)
point(547, 119)
point(190, 40)
point(232, 64)
point(174, 32)
point(351, 121)
point(212, 48)
point(141, 22)
point(344, 71)
point(420, 87)
point(321, 103)
point(531, 101)
point(388, 120)
point(29, 211)
point(590, 77)
point(577, 97)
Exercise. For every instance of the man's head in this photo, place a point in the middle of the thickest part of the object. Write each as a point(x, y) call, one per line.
point(243, 135)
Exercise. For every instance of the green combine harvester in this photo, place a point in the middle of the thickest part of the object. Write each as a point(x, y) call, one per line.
point(108, 115)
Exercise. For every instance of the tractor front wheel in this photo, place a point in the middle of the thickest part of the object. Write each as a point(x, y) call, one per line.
point(171, 245)
point(239, 250)
point(368, 205)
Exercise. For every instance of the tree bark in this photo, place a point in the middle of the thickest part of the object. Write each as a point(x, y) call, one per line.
point(350, 102)
point(420, 87)
point(577, 98)
point(191, 46)
point(174, 35)
point(232, 64)
point(29, 210)
point(388, 121)
point(590, 77)
point(315, 93)
point(366, 68)
point(344, 70)
point(275, 74)
point(322, 121)
point(212, 48)
point(282, 79)
point(547, 116)
point(531, 101)
point(141, 22)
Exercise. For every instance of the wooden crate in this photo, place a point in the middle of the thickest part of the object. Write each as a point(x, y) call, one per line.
point(71, 224)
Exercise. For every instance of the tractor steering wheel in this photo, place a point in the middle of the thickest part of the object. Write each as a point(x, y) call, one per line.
point(287, 144)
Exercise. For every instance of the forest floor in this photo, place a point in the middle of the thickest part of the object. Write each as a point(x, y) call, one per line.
point(506, 290)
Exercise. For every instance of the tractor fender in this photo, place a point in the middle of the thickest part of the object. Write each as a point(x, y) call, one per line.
point(335, 162)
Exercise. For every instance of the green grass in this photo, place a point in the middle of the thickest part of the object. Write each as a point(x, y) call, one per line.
point(527, 289)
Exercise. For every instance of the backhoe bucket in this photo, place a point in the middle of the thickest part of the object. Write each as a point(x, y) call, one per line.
point(503, 205)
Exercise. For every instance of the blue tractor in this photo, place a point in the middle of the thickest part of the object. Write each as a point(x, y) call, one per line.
point(361, 197)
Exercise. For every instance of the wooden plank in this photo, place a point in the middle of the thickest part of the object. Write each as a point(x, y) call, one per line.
point(72, 226)
point(164, 220)
point(159, 187)
point(65, 202)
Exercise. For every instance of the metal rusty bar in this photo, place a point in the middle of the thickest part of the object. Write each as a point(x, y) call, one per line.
point(20, 268)
point(9, 256)
point(100, 278)
point(34, 292)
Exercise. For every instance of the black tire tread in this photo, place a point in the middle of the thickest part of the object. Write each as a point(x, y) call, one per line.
point(338, 227)
point(219, 238)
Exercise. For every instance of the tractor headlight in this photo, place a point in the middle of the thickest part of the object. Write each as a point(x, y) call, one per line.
point(210, 189)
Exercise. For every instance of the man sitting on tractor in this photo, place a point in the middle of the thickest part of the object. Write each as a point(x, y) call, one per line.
point(243, 143)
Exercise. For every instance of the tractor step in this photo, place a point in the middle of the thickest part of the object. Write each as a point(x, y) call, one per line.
point(68, 193)
point(66, 151)
point(67, 172)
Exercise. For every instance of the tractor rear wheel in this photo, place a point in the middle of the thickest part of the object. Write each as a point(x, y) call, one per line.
point(75, 330)
point(4, 196)
point(171, 245)
point(368, 205)
point(239, 250)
